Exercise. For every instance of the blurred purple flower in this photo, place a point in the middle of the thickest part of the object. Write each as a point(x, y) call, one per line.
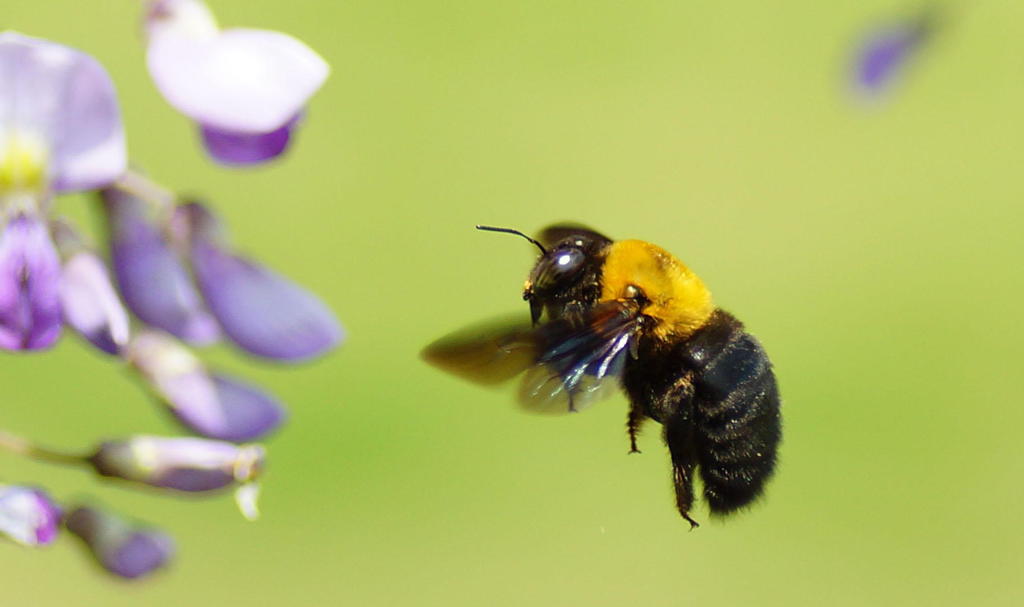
point(213, 405)
point(261, 311)
point(245, 88)
point(60, 127)
point(122, 548)
point(30, 316)
point(183, 464)
point(28, 516)
point(886, 50)
point(150, 276)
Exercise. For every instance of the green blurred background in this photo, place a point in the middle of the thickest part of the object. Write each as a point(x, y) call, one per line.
point(875, 251)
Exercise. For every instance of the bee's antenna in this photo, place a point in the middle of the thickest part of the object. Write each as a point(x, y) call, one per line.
point(517, 232)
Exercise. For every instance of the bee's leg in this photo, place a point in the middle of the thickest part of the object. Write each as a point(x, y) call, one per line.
point(679, 435)
point(683, 477)
point(633, 423)
point(680, 440)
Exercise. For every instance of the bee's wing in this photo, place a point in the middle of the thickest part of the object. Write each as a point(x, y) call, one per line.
point(486, 353)
point(554, 234)
point(568, 364)
point(579, 362)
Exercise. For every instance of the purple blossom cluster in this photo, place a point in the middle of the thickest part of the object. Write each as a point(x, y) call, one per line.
point(169, 280)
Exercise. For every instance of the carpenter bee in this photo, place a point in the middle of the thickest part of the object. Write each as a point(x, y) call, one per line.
point(605, 314)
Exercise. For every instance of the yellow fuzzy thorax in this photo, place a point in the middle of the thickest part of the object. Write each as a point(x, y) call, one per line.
point(678, 300)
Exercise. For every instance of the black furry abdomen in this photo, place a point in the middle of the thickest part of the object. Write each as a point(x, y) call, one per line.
point(717, 397)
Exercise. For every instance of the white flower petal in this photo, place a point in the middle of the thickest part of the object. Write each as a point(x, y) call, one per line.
point(243, 80)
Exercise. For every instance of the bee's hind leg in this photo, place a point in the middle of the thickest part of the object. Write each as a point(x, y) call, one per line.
point(633, 423)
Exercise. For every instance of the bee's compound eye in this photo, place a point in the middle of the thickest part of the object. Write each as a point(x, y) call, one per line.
point(567, 260)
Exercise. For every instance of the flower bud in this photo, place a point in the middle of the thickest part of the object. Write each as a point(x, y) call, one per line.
point(182, 464)
point(123, 548)
point(213, 405)
point(27, 515)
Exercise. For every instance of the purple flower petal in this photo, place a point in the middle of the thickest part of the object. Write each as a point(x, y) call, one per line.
point(240, 149)
point(66, 99)
point(261, 311)
point(886, 51)
point(249, 414)
point(29, 286)
point(212, 405)
point(124, 549)
point(139, 553)
point(182, 464)
point(216, 406)
point(28, 516)
point(90, 304)
point(154, 283)
point(240, 80)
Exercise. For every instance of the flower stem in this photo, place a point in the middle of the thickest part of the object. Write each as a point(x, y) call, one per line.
point(22, 446)
point(143, 187)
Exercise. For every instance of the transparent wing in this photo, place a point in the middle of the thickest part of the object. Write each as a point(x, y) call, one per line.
point(579, 363)
point(566, 365)
point(486, 353)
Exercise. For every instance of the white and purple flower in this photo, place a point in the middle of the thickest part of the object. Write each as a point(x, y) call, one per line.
point(28, 515)
point(246, 89)
point(180, 463)
point(60, 131)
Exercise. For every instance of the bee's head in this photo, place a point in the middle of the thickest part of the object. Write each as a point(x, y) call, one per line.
point(566, 274)
point(566, 277)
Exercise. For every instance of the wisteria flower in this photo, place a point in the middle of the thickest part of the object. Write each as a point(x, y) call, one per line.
point(886, 50)
point(28, 516)
point(245, 88)
point(171, 277)
point(121, 547)
point(60, 131)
